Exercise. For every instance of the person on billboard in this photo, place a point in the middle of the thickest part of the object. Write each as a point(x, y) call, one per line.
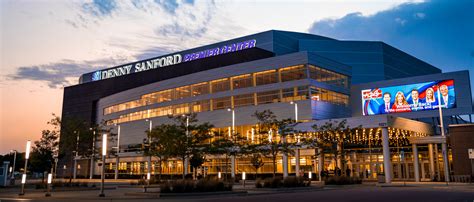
point(446, 99)
point(401, 104)
point(430, 99)
point(416, 102)
point(387, 105)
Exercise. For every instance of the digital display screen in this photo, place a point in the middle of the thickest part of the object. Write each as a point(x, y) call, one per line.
point(409, 98)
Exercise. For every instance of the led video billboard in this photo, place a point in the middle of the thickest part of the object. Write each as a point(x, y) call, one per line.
point(408, 98)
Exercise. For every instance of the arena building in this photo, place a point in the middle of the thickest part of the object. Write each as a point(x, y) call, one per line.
point(392, 95)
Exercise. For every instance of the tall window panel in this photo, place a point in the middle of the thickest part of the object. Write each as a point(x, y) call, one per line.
point(183, 92)
point(243, 81)
point(266, 77)
point(243, 100)
point(268, 97)
point(201, 106)
point(221, 103)
point(295, 93)
point(220, 85)
point(293, 73)
point(200, 89)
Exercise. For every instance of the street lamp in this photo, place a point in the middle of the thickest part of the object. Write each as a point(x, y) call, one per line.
point(149, 145)
point(233, 134)
point(117, 161)
point(296, 110)
point(104, 152)
point(14, 164)
point(23, 177)
point(186, 161)
point(92, 153)
point(77, 153)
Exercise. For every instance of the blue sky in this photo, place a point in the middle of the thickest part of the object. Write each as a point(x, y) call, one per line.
point(46, 45)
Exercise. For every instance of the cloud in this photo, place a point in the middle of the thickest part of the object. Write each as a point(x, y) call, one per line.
point(60, 74)
point(440, 32)
point(100, 7)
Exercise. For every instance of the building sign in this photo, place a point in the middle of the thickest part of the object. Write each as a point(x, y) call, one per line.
point(408, 98)
point(170, 60)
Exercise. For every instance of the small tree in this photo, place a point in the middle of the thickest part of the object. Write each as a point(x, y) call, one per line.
point(196, 161)
point(267, 121)
point(42, 156)
point(257, 162)
point(331, 137)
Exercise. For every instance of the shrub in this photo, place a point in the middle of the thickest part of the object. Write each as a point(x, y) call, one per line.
point(202, 185)
point(293, 181)
point(342, 180)
point(272, 182)
point(258, 183)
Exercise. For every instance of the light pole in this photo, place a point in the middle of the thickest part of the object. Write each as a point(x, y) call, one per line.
point(233, 137)
point(149, 145)
point(12, 177)
point(104, 152)
point(296, 110)
point(297, 153)
point(186, 161)
point(23, 177)
point(92, 153)
point(77, 153)
point(117, 160)
point(444, 148)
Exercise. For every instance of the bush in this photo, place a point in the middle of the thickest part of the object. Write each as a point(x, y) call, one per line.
point(293, 181)
point(342, 180)
point(202, 185)
point(272, 182)
point(258, 183)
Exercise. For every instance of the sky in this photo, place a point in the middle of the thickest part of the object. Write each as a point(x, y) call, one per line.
point(47, 44)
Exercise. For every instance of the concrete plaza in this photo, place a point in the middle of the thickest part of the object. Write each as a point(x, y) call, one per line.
point(365, 192)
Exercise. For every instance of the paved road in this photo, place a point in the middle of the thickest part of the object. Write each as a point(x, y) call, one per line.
point(352, 193)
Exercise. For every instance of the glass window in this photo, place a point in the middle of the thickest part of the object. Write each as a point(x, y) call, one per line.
point(164, 96)
point(330, 96)
point(181, 108)
point(295, 93)
point(200, 89)
point(268, 97)
point(221, 103)
point(329, 77)
point(183, 92)
point(243, 100)
point(293, 73)
point(201, 106)
point(266, 77)
point(220, 85)
point(242, 81)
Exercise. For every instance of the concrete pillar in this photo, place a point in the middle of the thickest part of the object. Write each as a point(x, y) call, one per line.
point(148, 170)
point(423, 174)
point(185, 167)
point(339, 157)
point(432, 165)
point(297, 163)
point(320, 162)
point(75, 167)
point(436, 154)
point(416, 164)
point(285, 165)
point(444, 150)
point(387, 164)
point(117, 162)
point(232, 166)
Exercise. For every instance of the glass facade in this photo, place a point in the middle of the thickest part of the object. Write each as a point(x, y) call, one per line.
point(285, 74)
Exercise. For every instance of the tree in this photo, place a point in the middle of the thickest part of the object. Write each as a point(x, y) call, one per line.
point(161, 143)
point(42, 157)
point(268, 123)
point(331, 137)
point(196, 161)
point(185, 137)
point(257, 162)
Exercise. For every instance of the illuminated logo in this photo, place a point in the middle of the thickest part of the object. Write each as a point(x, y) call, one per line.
point(371, 94)
point(96, 76)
